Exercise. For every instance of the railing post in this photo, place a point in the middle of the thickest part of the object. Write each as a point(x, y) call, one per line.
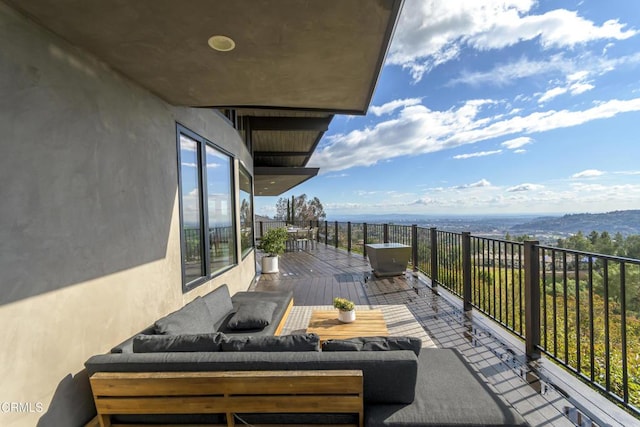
point(433, 232)
point(326, 233)
point(261, 229)
point(414, 246)
point(385, 233)
point(466, 270)
point(532, 298)
point(335, 234)
point(349, 236)
point(364, 240)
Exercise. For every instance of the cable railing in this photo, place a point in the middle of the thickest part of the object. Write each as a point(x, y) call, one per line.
point(580, 309)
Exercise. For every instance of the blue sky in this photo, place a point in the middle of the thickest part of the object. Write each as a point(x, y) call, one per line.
point(493, 107)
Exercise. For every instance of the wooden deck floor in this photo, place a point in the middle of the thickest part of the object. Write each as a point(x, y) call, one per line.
point(542, 393)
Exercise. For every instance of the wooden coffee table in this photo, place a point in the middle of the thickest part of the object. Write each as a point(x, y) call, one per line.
point(369, 323)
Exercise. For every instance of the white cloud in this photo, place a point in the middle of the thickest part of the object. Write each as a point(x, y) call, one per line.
point(580, 87)
point(552, 93)
point(589, 173)
point(628, 172)
point(338, 175)
point(477, 154)
point(432, 32)
point(393, 105)
point(478, 184)
point(576, 84)
point(520, 151)
point(522, 198)
point(424, 201)
point(504, 74)
point(577, 70)
point(515, 143)
point(419, 130)
point(524, 187)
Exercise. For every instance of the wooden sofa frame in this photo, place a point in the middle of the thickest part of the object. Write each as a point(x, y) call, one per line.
point(229, 393)
point(285, 316)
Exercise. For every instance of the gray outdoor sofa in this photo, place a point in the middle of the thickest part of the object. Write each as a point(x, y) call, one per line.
point(405, 387)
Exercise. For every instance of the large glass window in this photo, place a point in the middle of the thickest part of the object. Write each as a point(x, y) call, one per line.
point(222, 248)
point(192, 261)
point(246, 212)
point(207, 223)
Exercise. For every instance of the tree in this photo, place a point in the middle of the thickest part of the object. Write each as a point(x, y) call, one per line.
point(304, 210)
point(577, 241)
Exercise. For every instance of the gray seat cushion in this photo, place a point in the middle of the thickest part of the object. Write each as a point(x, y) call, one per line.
point(448, 393)
point(173, 343)
point(219, 303)
point(254, 315)
point(374, 344)
point(302, 342)
point(281, 298)
point(193, 318)
point(382, 370)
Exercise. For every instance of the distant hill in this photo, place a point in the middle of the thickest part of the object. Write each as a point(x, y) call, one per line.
point(625, 222)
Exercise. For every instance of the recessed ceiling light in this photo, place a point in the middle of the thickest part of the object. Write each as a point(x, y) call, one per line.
point(272, 182)
point(221, 43)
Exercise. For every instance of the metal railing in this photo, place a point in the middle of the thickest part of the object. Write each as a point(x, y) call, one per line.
point(220, 238)
point(580, 309)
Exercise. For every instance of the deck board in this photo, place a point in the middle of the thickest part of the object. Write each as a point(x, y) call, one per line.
point(317, 275)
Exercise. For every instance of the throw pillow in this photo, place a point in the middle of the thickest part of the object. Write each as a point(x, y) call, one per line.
point(193, 318)
point(374, 344)
point(177, 343)
point(302, 342)
point(252, 316)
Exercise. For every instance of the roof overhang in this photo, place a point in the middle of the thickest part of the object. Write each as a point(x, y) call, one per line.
point(273, 181)
point(295, 64)
point(299, 54)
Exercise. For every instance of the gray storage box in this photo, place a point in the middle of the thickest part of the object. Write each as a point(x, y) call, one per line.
point(388, 259)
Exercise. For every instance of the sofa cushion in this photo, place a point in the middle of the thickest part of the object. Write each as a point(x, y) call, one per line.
point(126, 346)
point(374, 344)
point(172, 343)
point(219, 303)
point(448, 392)
point(302, 342)
point(282, 300)
point(193, 318)
point(254, 315)
point(389, 376)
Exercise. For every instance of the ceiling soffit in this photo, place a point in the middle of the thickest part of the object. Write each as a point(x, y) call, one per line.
point(297, 54)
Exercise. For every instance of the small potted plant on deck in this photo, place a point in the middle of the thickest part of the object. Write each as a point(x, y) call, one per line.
point(273, 243)
point(346, 309)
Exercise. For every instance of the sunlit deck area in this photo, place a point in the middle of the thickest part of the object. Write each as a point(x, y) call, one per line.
point(541, 392)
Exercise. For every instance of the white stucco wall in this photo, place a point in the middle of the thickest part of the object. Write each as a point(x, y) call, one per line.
point(89, 217)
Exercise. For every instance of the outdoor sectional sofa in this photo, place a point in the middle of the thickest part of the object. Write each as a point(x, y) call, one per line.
point(219, 374)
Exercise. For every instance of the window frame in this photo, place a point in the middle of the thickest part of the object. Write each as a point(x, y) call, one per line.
point(244, 253)
point(203, 214)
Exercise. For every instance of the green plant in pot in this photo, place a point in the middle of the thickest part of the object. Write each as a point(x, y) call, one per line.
point(273, 243)
point(346, 309)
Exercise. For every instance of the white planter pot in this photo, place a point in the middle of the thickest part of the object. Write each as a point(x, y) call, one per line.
point(347, 316)
point(270, 264)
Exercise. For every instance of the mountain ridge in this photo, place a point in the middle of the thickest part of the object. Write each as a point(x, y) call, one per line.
point(625, 222)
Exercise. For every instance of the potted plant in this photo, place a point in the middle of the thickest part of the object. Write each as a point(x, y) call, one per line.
point(273, 243)
point(346, 309)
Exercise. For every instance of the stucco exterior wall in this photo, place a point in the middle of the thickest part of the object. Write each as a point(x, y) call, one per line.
point(89, 218)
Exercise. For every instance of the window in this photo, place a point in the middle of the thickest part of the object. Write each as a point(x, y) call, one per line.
point(246, 212)
point(207, 223)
